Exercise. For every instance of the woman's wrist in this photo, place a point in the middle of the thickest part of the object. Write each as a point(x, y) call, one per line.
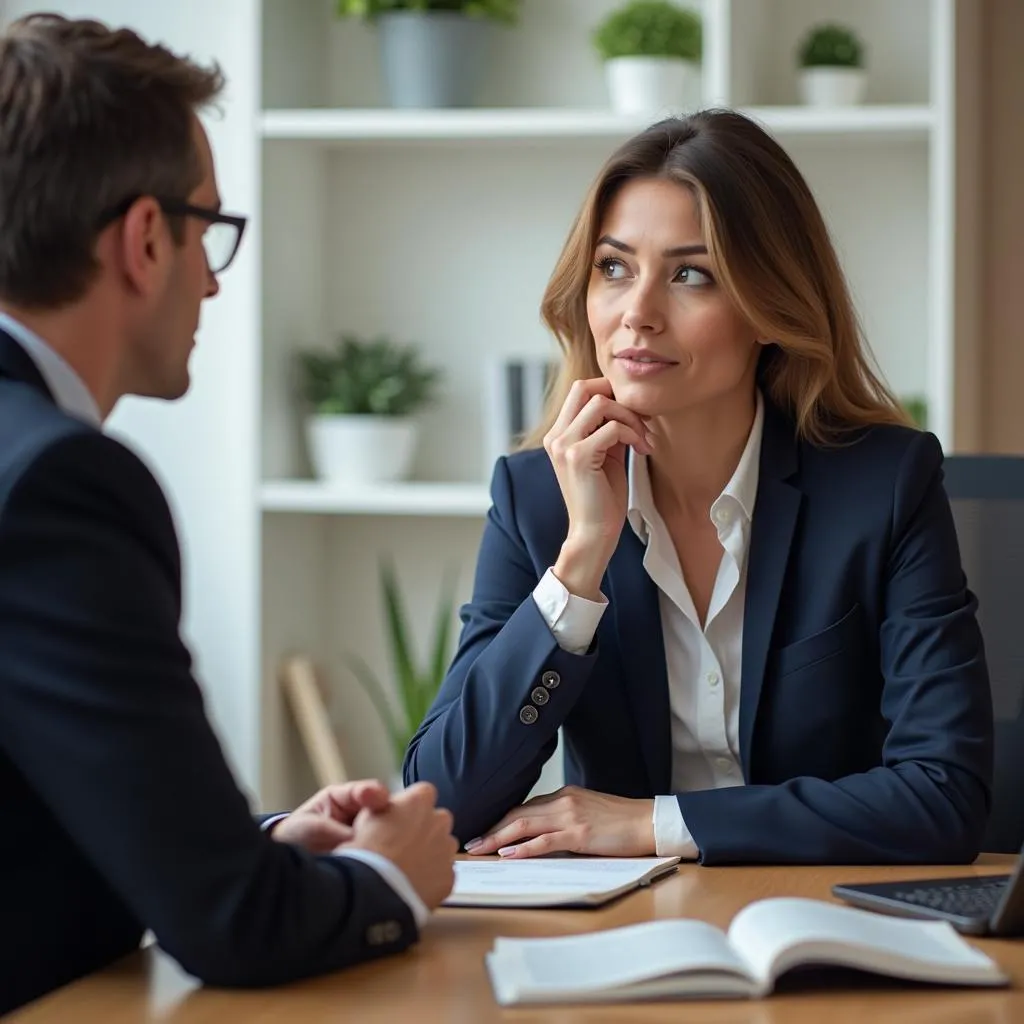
point(580, 568)
point(646, 833)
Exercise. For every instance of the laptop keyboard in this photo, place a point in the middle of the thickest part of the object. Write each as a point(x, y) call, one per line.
point(964, 899)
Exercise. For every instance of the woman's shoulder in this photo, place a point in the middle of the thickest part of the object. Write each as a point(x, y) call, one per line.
point(883, 448)
point(527, 498)
point(885, 469)
point(529, 463)
point(526, 478)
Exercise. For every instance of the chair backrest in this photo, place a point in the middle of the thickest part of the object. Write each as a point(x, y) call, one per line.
point(987, 496)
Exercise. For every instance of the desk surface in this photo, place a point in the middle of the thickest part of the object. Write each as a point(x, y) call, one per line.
point(443, 977)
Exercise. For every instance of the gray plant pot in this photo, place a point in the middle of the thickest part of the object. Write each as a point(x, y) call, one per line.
point(432, 59)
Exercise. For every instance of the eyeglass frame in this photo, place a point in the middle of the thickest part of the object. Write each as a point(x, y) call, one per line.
point(178, 208)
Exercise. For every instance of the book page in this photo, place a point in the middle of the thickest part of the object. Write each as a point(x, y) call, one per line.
point(778, 934)
point(606, 960)
point(539, 879)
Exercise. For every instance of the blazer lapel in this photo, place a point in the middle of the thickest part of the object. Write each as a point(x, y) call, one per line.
point(16, 364)
point(774, 522)
point(634, 600)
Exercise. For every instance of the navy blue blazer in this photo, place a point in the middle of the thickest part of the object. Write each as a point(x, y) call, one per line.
point(865, 722)
point(118, 811)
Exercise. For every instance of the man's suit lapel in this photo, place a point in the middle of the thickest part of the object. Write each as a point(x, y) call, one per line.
point(16, 364)
point(634, 600)
point(774, 522)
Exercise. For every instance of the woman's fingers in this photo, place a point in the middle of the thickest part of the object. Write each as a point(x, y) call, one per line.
point(590, 452)
point(581, 392)
point(588, 405)
point(550, 842)
point(600, 410)
point(515, 828)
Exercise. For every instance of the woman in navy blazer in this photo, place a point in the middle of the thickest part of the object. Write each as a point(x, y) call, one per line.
point(730, 575)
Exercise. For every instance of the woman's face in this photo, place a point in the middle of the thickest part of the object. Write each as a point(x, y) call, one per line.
point(666, 335)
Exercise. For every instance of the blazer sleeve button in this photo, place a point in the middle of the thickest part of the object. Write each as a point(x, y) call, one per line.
point(540, 696)
point(551, 679)
point(528, 714)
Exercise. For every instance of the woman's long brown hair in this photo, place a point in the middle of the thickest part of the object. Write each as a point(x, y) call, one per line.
point(771, 252)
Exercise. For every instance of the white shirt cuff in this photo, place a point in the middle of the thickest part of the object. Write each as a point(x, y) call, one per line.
point(395, 877)
point(573, 620)
point(671, 836)
point(267, 825)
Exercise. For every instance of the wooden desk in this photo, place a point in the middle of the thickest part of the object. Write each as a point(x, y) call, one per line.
point(443, 978)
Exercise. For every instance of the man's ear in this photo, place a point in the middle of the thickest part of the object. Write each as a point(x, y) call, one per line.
point(143, 244)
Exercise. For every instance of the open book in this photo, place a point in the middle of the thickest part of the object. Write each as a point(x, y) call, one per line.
point(552, 881)
point(690, 959)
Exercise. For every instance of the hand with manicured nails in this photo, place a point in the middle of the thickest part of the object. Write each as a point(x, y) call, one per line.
point(572, 820)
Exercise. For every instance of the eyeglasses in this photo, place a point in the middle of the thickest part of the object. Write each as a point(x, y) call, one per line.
point(221, 238)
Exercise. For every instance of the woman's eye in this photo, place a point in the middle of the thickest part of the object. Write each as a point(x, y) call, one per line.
point(693, 276)
point(611, 269)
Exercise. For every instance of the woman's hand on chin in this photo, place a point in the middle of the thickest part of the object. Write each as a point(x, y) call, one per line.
point(572, 820)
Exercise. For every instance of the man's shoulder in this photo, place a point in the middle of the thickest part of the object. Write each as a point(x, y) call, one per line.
point(54, 455)
point(29, 424)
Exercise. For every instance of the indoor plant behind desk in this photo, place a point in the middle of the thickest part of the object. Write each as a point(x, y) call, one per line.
point(361, 400)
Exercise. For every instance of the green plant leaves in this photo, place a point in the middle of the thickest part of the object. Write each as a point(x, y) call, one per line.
point(414, 686)
point(365, 378)
point(650, 28)
point(364, 675)
point(831, 46)
point(500, 10)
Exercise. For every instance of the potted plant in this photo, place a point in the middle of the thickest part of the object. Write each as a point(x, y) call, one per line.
point(831, 59)
point(432, 52)
point(651, 51)
point(415, 685)
point(361, 399)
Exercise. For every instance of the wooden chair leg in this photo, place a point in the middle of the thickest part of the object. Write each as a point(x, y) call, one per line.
point(303, 691)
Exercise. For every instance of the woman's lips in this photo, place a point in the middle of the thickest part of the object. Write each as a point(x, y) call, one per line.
point(640, 364)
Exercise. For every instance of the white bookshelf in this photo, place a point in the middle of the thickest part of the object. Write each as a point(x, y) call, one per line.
point(441, 227)
point(893, 122)
point(399, 499)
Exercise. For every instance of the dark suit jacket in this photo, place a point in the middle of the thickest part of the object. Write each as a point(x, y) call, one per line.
point(117, 809)
point(865, 715)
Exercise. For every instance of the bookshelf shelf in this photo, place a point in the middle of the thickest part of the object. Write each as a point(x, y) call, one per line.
point(398, 499)
point(336, 126)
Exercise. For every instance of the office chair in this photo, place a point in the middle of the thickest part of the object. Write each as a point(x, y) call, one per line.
point(986, 493)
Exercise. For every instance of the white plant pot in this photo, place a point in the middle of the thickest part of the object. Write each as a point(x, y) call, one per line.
point(652, 85)
point(361, 449)
point(833, 87)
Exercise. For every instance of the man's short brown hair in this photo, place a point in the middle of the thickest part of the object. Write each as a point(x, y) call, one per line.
point(90, 118)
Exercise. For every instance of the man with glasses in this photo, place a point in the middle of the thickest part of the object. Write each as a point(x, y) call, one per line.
point(118, 812)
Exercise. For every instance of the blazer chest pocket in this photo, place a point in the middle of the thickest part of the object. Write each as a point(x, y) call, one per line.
point(841, 635)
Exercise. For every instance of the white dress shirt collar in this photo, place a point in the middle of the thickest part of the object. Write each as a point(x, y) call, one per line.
point(68, 389)
point(740, 490)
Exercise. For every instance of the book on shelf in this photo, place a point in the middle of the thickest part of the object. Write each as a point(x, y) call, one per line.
point(681, 958)
point(552, 881)
point(515, 390)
